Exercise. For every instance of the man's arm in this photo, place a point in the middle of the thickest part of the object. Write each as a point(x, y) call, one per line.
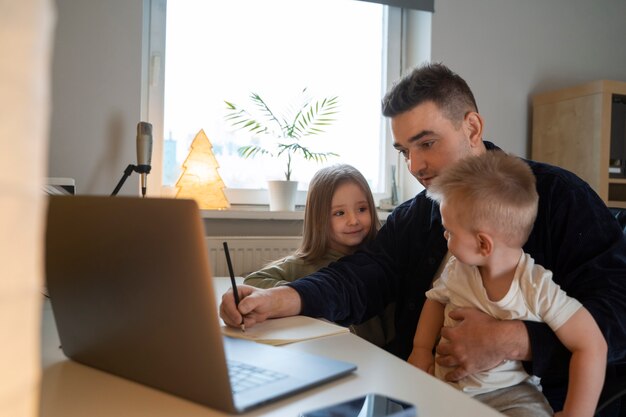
point(258, 305)
point(578, 239)
point(347, 292)
point(361, 285)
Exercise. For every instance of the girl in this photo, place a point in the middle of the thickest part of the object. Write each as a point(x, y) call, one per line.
point(340, 215)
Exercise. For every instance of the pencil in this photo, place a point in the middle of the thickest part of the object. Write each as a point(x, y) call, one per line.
point(232, 282)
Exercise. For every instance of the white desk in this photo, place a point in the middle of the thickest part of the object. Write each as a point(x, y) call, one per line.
point(69, 389)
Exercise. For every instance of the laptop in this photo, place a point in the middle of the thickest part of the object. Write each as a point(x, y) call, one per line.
point(132, 294)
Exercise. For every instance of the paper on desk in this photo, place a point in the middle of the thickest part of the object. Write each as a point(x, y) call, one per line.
point(286, 330)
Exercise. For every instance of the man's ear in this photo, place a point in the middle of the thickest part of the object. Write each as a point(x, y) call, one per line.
point(473, 124)
point(485, 243)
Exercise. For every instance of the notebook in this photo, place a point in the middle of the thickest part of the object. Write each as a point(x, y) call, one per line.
point(286, 330)
point(131, 292)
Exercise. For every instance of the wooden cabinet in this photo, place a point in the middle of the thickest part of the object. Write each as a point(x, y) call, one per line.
point(572, 129)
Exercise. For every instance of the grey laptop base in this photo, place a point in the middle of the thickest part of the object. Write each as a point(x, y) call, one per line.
point(132, 294)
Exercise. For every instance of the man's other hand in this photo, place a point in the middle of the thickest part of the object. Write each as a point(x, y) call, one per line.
point(479, 342)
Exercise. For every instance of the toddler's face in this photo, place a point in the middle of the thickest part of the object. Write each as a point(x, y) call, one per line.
point(462, 243)
point(350, 218)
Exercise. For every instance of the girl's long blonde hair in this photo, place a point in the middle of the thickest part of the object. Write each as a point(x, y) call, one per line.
point(318, 209)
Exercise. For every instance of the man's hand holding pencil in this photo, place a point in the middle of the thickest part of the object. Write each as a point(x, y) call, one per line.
point(257, 305)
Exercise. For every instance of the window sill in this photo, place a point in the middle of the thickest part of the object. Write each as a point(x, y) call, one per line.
point(262, 212)
point(253, 212)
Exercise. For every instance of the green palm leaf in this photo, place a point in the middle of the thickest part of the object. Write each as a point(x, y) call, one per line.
point(285, 129)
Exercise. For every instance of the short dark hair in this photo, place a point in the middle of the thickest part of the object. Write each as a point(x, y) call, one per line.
point(431, 82)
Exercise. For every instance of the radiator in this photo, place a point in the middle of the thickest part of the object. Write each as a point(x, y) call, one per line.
point(248, 253)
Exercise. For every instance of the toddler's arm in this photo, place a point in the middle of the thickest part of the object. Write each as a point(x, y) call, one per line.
point(426, 334)
point(582, 336)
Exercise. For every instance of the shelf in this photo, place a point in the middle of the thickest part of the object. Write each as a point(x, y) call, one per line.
point(617, 191)
point(616, 204)
point(572, 128)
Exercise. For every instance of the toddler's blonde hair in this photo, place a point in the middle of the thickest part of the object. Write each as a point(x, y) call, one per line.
point(494, 191)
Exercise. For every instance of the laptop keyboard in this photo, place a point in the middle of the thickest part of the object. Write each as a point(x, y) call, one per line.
point(244, 376)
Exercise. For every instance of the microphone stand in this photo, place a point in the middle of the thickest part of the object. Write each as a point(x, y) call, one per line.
point(140, 169)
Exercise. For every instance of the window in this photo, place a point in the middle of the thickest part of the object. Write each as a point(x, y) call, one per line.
point(217, 51)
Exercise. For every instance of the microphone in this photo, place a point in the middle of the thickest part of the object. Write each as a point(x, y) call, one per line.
point(144, 153)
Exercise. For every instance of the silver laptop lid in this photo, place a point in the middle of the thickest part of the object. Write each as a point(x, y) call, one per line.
point(115, 287)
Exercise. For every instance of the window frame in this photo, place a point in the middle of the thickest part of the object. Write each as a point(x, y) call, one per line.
point(153, 99)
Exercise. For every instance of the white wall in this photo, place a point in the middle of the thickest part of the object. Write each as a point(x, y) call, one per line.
point(96, 94)
point(505, 49)
point(508, 50)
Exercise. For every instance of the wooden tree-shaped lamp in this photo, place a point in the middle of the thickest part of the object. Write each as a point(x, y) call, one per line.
point(200, 179)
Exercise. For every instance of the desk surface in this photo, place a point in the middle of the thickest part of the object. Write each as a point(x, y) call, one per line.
point(69, 389)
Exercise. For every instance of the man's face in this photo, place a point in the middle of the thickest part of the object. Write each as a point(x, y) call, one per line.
point(430, 142)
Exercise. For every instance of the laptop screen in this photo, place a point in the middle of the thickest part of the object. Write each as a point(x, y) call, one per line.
point(132, 294)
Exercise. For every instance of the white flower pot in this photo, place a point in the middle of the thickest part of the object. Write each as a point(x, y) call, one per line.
point(282, 195)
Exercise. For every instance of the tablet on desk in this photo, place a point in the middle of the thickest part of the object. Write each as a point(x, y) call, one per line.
point(370, 405)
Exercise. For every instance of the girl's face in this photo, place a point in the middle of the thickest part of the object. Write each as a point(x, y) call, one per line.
point(350, 218)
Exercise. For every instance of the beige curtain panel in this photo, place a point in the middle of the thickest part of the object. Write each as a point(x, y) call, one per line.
point(26, 31)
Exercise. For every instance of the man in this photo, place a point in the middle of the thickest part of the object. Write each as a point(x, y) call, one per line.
point(435, 122)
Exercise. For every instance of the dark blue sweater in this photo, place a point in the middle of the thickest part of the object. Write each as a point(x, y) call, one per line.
point(575, 236)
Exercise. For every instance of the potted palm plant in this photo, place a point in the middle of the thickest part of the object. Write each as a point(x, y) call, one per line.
point(281, 136)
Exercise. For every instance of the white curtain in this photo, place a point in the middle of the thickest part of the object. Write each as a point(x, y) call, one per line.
point(26, 30)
